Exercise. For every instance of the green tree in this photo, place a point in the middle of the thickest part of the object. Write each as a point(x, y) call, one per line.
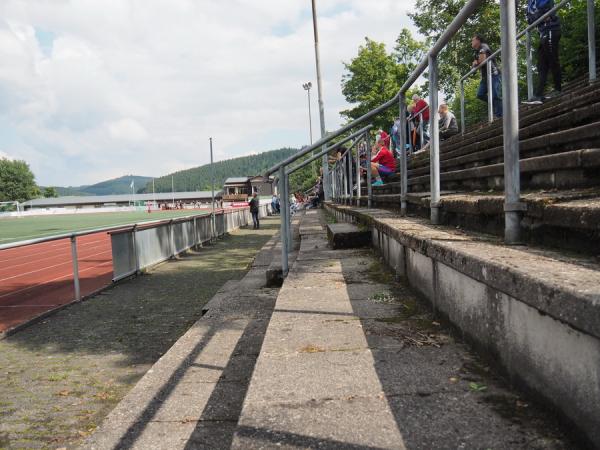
point(17, 182)
point(50, 192)
point(431, 17)
point(374, 76)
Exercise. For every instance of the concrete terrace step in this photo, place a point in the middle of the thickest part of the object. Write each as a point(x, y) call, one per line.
point(335, 370)
point(536, 313)
point(570, 169)
point(563, 219)
point(582, 94)
point(542, 136)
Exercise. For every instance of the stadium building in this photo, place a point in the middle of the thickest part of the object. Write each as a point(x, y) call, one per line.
point(106, 201)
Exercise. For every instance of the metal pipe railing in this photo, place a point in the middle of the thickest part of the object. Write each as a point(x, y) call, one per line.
point(328, 149)
point(527, 33)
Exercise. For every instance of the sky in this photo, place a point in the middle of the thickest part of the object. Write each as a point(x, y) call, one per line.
point(96, 89)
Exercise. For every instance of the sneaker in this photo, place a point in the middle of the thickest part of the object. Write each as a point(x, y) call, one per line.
point(552, 94)
point(534, 101)
point(377, 183)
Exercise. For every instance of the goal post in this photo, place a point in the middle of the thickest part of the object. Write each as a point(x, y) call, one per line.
point(11, 206)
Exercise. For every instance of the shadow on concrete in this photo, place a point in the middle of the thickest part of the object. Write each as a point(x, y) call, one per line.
point(428, 379)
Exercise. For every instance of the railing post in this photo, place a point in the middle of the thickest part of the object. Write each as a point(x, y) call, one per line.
point(490, 92)
point(510, 100)
point(75, 268)
point(172, 238)
point(358, 177)
point(289, 216)
point(369, 156)
point(528, 58)
point(350, 180)
point(421, 137)
point(463, 119)
point(434, 142)
point(136, 257)
point(285, 208)
point(403, 155)
point(591, 39)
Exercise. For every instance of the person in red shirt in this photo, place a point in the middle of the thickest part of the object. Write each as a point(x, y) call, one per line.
point(383, 163)
point(421, 106)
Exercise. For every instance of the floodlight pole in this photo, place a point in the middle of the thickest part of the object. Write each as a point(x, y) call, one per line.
point(321, 107)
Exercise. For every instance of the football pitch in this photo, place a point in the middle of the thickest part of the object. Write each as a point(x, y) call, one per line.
point(30, 227)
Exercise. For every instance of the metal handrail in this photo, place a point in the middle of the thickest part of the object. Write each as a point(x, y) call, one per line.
point(328, 149)
point(519, 36)
point(467, 10)
point(527, 32)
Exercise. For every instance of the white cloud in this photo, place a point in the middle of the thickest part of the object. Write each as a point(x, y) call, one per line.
point(139, 85)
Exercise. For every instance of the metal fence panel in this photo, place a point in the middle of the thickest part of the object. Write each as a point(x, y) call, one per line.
point(123, 255)
point(153, 245)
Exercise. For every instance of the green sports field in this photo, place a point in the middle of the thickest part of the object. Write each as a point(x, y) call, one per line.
point(23, 228)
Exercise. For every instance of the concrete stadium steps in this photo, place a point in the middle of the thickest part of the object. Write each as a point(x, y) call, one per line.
point(579, 94)
point(563, 124)
point(524, 307)
point(562, 219)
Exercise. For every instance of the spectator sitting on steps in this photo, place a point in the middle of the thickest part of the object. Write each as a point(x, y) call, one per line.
point(448, 125)
point(383, 163)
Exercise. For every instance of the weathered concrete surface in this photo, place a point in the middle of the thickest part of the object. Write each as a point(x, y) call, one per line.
point(535, 313)
point(346, 235)
point(274, 273)
point(192, 396)
point(350, 361)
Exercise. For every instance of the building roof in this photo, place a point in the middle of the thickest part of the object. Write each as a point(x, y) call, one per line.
point(261, 179)
point(236, 180)
point(122, 198)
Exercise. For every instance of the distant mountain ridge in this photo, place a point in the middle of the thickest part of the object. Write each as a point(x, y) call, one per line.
point(115, 186)
point(199, 178)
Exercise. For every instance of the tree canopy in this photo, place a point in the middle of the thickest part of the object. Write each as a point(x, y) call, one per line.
point(17, 182)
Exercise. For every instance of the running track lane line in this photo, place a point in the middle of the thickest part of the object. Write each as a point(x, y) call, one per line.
point(30, 250)
point(45, 258)
point(54, 279)
point(50, 267)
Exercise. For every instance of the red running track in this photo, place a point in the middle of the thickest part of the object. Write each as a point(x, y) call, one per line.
point(37, 278)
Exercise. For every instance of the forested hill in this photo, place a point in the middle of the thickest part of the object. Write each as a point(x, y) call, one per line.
point(121, 185)
point(199, 178)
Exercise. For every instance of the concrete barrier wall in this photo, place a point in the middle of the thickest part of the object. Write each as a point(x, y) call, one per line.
point(548, 357)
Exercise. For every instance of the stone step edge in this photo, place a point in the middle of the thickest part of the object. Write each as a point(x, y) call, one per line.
point(532, 144)
point(587, 158)
point(570, 305)
point(529, 116)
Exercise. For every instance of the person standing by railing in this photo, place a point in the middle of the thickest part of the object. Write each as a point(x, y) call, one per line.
point(548, 50)
point(421, 114)
point(483, 51)
point(254, 210)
